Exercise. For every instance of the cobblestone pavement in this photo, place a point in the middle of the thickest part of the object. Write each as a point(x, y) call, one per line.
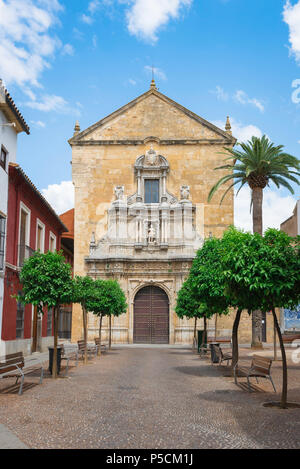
point(150, 398)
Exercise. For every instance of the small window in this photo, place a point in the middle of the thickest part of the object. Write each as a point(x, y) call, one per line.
point(49, 322)
point(40, 236)
point(3, 158)
point(52, 242)
point(2, 241)
point(20, 319)
point(151, 191)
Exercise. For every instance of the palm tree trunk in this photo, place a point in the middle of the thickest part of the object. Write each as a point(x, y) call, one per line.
point(235, 342)
point(257, 200)
point(283, 403)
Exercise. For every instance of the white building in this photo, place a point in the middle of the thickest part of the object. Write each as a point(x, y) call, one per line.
point(11, 124)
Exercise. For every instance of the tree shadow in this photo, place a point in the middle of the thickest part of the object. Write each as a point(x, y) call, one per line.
point(197, 371)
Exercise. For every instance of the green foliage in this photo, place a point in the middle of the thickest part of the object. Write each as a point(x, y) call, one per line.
point(261, 272)
point(46, 280)
point(108, 299)
point(83, 289)
point(207, 280)
point(187, 303)
point(258, 158)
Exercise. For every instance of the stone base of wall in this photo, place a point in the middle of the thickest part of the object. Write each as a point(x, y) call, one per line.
point(24, 345)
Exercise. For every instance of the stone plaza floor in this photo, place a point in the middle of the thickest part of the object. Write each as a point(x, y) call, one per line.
point(155, 397)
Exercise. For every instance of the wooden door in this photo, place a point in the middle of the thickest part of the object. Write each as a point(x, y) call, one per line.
point(151, 316)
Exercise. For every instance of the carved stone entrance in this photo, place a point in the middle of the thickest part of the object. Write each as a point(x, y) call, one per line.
point(151, 316)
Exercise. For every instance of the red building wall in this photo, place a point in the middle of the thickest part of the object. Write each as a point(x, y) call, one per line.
point(20, 190)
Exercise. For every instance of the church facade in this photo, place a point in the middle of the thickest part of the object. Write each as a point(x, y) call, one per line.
point(142, 177)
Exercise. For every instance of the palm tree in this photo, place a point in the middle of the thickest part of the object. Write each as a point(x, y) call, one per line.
point(258, 163)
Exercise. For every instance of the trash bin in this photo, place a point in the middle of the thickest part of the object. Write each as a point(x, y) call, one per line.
point(200, 340)
point(214, 356)
point(51, 353)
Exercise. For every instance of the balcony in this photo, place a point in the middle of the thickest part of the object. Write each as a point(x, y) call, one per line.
point(24, 253)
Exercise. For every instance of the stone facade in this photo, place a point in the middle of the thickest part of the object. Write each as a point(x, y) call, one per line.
point(117, 233)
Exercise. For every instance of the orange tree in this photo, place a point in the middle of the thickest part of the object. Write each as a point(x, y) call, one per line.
point(46, 281)
point(83, 292)
point(206, 280)
point(188, 306)
point(263, 273)
point(108, 300)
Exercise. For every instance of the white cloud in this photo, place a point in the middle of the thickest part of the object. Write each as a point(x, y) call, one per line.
point(291, 16)
point(146, 17)
point(26, 44)
point(67, 50)
point(86, 19)
point(60, 196)
point(276, 208)
point(52, 103)
point(93, 6)
point(241, 132)
point(220, 93)
point(38, 124)
point(157, 72)
point(132, 82)
point(243, 98)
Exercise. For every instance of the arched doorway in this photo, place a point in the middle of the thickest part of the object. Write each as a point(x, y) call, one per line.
point(151, 316)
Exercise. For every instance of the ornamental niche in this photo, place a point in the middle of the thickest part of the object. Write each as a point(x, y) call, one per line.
point(152, 221)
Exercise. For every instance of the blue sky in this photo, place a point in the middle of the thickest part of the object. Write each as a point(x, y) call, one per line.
point(66, 60)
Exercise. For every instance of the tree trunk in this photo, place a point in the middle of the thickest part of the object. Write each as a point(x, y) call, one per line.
point(100, 333)
point(205, 331)
point(195, 334)
point(216, 325)
point(257, 200)
point(235, 343)
point(85, 333)
point(54, 363)
point(109, 341)
point(275, 342)
point(283, 403)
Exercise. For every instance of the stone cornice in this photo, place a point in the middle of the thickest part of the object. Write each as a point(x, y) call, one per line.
point(142, 142)
point(90, 260)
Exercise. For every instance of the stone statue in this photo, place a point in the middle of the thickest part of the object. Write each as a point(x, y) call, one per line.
point(185, 192)
point(119, 193)
point(151, 235)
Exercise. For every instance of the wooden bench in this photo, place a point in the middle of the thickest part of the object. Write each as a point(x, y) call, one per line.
point(97, 343)
point(223, 357)
point(13, 366)
point(289, 338)
point(90, 348)
point(219, 340)
point(69, 352)
point(260, 368)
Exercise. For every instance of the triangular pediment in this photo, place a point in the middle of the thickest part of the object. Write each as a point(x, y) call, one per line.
point(152, 115)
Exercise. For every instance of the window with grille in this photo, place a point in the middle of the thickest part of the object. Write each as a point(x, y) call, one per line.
point(20, 319)
point(151, 191)
point(49, 322)
point(3, 158)
point(2, 241)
